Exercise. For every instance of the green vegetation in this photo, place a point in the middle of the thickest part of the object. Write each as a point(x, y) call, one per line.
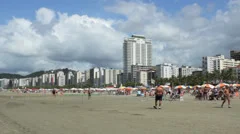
point(214, 78)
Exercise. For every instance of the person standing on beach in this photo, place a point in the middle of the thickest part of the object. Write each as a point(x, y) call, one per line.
point(54, 92)
point(226, 93)
point(158, 97)
point(89, 93)
point(205, 93)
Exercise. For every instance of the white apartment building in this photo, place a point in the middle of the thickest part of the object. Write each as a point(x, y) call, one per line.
point(142, 77)
point(86, 75)
point(23, 82)
point(188, 70)
point(217, 62)
point(137, 50)
point(166, 70)
point(97, 76)
point(60, 78)
point(34, 81)
point(51, 78)
point(4, 83)
point(175, 70)
point(80, 77)
point(116, 72)
point(110, 76)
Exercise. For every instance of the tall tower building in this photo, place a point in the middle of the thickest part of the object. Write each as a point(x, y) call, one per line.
point(137, 50)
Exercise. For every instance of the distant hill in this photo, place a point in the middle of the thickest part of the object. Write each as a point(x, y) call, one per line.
point(10, 76)
point(34, 74)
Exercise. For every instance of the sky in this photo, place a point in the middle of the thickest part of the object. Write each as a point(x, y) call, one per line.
point(80, 34)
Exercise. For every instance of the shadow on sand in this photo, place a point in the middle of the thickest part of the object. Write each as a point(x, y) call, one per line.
point(217, 107)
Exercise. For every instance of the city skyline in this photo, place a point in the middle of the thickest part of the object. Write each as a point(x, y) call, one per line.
point(85, 34)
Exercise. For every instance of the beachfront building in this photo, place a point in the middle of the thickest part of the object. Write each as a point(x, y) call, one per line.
point(235, 55)
point(138, 68)
point(79, 77)
point(188, 70)
point(120, 79)
point(167, 70)
point(137, 50)
point(110, 76)
point(97, 76)
point(142, 77)
point(60, 78)
point(4, 83)
point(34, 81)
point(86, 75)
point(24, 82)
point(51, 79)
point(217, 62)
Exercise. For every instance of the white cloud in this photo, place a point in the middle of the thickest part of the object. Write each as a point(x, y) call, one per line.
point(183, 37)
point(78, 41)
point(72, 41)
point(45, 15)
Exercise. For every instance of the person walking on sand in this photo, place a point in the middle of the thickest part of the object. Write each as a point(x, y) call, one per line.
point(226, 93)
point(158, 97)
point(89, 93)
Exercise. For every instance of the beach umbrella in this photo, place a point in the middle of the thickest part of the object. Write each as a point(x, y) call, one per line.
point(143, 88)
point(208, 86)
point(180, 87)
point(220, 85)
point(122, 87)
point(198, 86)
point(164, 86)
point(236, 85)
point(189, 87)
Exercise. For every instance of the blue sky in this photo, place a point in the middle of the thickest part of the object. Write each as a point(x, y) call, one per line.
point(93, 8)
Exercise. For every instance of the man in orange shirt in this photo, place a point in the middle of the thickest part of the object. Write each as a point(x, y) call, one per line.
point(226, 93)
point(158, 97)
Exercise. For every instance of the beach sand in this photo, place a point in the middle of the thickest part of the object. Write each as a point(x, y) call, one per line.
point(37, 114)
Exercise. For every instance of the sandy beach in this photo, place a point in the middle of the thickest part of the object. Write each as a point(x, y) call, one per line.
point(38, 114)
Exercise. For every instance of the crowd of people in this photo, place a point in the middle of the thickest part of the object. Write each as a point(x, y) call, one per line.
point(224, 93)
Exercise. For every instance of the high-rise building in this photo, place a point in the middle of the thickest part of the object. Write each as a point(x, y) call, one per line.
point(60, 78)
point(110, 76)
point(97, 76)
point(188, 70)
point(166, 70)
point(235, 55)
point(142, 77)
point(137, 50)
point(217, 62)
